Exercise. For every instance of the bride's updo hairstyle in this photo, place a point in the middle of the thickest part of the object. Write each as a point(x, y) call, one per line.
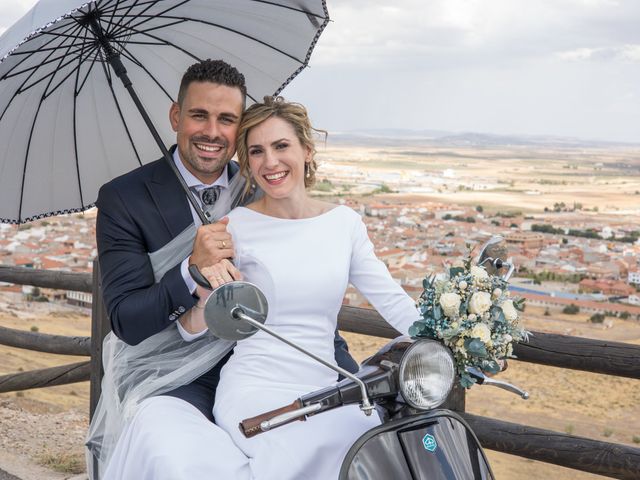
point(295, 115)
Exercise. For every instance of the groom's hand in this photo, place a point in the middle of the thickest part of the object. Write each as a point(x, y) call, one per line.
point(212, 244)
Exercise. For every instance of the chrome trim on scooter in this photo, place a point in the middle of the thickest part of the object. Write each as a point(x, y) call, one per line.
point(287, 417)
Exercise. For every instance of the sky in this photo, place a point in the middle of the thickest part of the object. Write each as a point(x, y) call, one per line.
point(511, 67)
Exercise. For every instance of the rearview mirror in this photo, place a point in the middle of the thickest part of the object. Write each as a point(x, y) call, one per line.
point(493, 254)
point(225, 301)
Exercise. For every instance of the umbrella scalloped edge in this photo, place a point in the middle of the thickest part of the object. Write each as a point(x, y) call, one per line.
point(46, 215)
point(38, 30)
point(310, 51)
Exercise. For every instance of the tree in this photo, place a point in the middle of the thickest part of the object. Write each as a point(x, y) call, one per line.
point(384, 188)
point(596, 318)
point(479, 209)
point(571, 309)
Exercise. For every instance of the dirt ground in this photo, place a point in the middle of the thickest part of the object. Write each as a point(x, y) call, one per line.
point(46, 427)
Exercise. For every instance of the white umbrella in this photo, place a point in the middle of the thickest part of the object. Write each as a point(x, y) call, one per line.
point(67, 125)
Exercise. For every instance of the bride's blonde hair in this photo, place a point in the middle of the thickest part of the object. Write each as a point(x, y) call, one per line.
point(295, 115)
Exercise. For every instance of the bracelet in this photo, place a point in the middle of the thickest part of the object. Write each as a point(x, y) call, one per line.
point(198, 307)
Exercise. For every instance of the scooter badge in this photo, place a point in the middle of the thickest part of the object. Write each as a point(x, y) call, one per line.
point(429, 443)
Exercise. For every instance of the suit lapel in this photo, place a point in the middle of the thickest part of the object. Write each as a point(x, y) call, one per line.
point(170, 199)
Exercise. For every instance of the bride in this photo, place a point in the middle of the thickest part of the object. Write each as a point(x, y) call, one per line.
point(302, 253)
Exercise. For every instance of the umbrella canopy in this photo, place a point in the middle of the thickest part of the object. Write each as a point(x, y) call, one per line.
point(67, 125)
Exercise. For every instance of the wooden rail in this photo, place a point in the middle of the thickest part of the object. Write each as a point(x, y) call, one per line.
point(579, 453)
point(45, 377)
point(612, 358)
point(42, 342)
point(79, 282)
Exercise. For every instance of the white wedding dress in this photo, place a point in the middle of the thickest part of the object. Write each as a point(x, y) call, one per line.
point(303, 267)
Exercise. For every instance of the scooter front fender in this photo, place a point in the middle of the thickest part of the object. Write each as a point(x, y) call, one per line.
point(435, 445)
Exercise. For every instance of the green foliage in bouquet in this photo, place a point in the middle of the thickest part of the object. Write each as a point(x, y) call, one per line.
point(473, 314)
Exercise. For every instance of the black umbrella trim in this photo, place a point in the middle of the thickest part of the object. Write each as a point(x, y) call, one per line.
point(47, 215)
point(311, 47)
point(39, 30)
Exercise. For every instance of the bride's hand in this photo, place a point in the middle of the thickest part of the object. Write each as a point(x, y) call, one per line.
point(220, 273)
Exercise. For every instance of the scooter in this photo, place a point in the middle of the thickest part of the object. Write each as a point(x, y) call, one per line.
point(405, 383)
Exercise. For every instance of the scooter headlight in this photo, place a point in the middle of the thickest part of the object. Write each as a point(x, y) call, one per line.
point(426, 374)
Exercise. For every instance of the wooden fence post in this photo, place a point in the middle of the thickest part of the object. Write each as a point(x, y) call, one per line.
point(100, 326)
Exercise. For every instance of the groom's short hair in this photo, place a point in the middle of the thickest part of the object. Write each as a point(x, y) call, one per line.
point(214, 71)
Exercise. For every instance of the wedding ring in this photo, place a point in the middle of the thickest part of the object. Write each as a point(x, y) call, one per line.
point(224, 244)
point(219, 279)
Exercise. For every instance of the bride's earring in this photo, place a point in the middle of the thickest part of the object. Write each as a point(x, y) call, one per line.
point(251, 179)
point(307, 169)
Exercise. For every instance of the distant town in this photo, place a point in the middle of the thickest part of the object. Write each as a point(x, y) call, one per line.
point(564, 259)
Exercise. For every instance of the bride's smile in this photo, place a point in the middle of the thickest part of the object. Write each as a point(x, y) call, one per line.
point(277, 159)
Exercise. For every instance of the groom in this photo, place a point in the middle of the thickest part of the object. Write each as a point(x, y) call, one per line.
point(141, 211)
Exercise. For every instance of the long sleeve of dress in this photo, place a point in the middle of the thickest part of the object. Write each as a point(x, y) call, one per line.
point(372, 278)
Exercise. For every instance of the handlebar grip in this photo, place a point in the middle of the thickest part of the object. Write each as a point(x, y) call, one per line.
point(250, 427)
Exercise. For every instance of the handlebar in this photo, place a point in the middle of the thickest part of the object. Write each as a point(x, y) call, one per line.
point(253, 426)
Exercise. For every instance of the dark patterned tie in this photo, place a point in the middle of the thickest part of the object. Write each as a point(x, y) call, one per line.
point(208, 195)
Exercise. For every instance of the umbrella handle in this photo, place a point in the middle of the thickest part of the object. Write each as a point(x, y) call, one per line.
point(197, 276)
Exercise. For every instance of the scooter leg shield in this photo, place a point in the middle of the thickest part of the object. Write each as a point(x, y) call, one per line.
point(436, 445)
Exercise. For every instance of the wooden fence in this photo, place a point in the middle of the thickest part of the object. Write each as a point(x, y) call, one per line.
point(611, 358)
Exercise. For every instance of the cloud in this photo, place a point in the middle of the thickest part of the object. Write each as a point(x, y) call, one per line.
point(565, 67)
point(457, 31)
point(11, 11)
point(624, 53)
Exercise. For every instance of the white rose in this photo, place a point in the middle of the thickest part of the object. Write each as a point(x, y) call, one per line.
point(510, 312)
point(472, 317)
point(460, 347)
point(478, 273)
point(450, 303)
point(462, 285)
point(497, 292)
point(482, 332)
point(480, 303)
point(506, 338)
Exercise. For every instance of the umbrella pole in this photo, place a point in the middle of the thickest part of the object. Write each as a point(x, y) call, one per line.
point(113, 57)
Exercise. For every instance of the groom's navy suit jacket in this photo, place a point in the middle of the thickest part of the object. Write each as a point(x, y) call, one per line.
point(138, 213)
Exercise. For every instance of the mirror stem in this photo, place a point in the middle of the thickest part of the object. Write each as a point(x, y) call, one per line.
point(366, 406)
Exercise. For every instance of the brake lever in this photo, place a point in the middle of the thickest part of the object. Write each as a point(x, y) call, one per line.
point(483, 379)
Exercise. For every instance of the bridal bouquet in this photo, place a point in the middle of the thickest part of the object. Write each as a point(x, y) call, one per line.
point(472, 313)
